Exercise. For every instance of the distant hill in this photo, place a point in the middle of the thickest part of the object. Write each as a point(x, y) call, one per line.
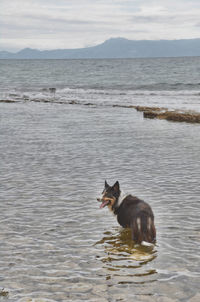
point(115, 48)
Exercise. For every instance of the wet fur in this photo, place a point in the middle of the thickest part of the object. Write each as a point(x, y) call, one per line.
point(132, 212)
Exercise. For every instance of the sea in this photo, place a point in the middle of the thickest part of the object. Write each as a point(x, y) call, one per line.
point(61, 137)
point(170, 82)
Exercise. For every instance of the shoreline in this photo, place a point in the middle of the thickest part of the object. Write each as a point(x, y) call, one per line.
point(163, 113)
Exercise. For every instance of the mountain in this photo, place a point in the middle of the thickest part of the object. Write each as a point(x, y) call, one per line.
point(115, 48)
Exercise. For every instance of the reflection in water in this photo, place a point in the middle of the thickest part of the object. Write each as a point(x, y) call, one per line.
point(51, 167)
point(125, 259)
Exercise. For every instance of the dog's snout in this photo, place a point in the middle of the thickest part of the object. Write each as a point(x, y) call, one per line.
point(98, 199)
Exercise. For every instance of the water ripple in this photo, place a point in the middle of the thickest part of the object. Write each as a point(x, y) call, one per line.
point(56, 244)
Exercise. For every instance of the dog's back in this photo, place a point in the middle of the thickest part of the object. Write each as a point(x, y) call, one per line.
point(131, 212)
point(137, 215)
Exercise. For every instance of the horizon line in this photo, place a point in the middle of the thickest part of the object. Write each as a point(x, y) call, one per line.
point(112, 38)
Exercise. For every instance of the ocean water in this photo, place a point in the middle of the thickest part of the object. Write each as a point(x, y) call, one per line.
point(171, 82)
point(55, 242)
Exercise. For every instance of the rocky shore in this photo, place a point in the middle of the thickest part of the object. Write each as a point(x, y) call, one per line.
point(164, 113)
point(170, 115)
point(148, 112)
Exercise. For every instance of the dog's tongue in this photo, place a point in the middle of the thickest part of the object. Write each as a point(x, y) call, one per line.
point(104, 203)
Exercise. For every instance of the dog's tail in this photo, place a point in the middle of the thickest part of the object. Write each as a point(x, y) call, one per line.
point(143, 229)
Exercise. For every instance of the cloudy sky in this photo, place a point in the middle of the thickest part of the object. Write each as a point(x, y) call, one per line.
point(50, 24)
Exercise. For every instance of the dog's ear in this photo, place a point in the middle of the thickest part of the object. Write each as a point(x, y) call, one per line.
point(116, 186)
point(106, 184)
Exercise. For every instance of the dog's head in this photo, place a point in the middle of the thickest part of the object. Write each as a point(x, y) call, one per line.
point(110, 195)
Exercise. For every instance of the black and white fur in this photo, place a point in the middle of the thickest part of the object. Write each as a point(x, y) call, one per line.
point(131, 212)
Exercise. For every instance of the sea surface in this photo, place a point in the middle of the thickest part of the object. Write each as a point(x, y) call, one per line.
point(171, 82)
point(57, 147)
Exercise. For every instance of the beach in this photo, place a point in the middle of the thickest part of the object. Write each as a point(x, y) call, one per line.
point(58, 147)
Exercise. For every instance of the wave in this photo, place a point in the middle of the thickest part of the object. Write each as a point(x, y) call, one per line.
point(82, 93)
point(165, 89)
point(188, 99)
point(150, 87)
point(168, 87)
point(129, 92)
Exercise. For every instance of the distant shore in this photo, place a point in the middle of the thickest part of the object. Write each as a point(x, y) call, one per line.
point(115, 48)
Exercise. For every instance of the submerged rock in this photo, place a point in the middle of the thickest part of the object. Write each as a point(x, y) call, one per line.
point(164, 113)
point(176, 116)
point(124, 106)
point(7, 101)
point(183, 117)
point(4, 293)
point(149, 109)
point(72, 102)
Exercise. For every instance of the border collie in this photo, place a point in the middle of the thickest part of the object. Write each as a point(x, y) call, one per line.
point(131, 212)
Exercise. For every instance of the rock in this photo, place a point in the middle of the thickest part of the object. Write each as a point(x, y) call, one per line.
point(182, 117)
point(147, 109)
point(7, 101)
point(4, 293)
point(150, 114)
point(164, 113)
point(89, 104)
point(124, 106)
point(176, 116)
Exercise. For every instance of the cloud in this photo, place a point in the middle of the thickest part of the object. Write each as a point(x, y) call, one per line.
point(70, 24)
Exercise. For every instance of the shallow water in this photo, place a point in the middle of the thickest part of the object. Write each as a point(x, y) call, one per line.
point(56, 244)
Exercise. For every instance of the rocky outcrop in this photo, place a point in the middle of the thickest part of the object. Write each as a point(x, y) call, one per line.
point(166, 114)
point(149, 109)
point(176, 116)
point(148, 112)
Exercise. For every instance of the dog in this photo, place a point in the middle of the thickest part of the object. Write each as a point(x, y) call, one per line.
point(131, 212)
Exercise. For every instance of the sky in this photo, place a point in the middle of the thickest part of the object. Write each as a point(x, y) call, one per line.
point(53, 24)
